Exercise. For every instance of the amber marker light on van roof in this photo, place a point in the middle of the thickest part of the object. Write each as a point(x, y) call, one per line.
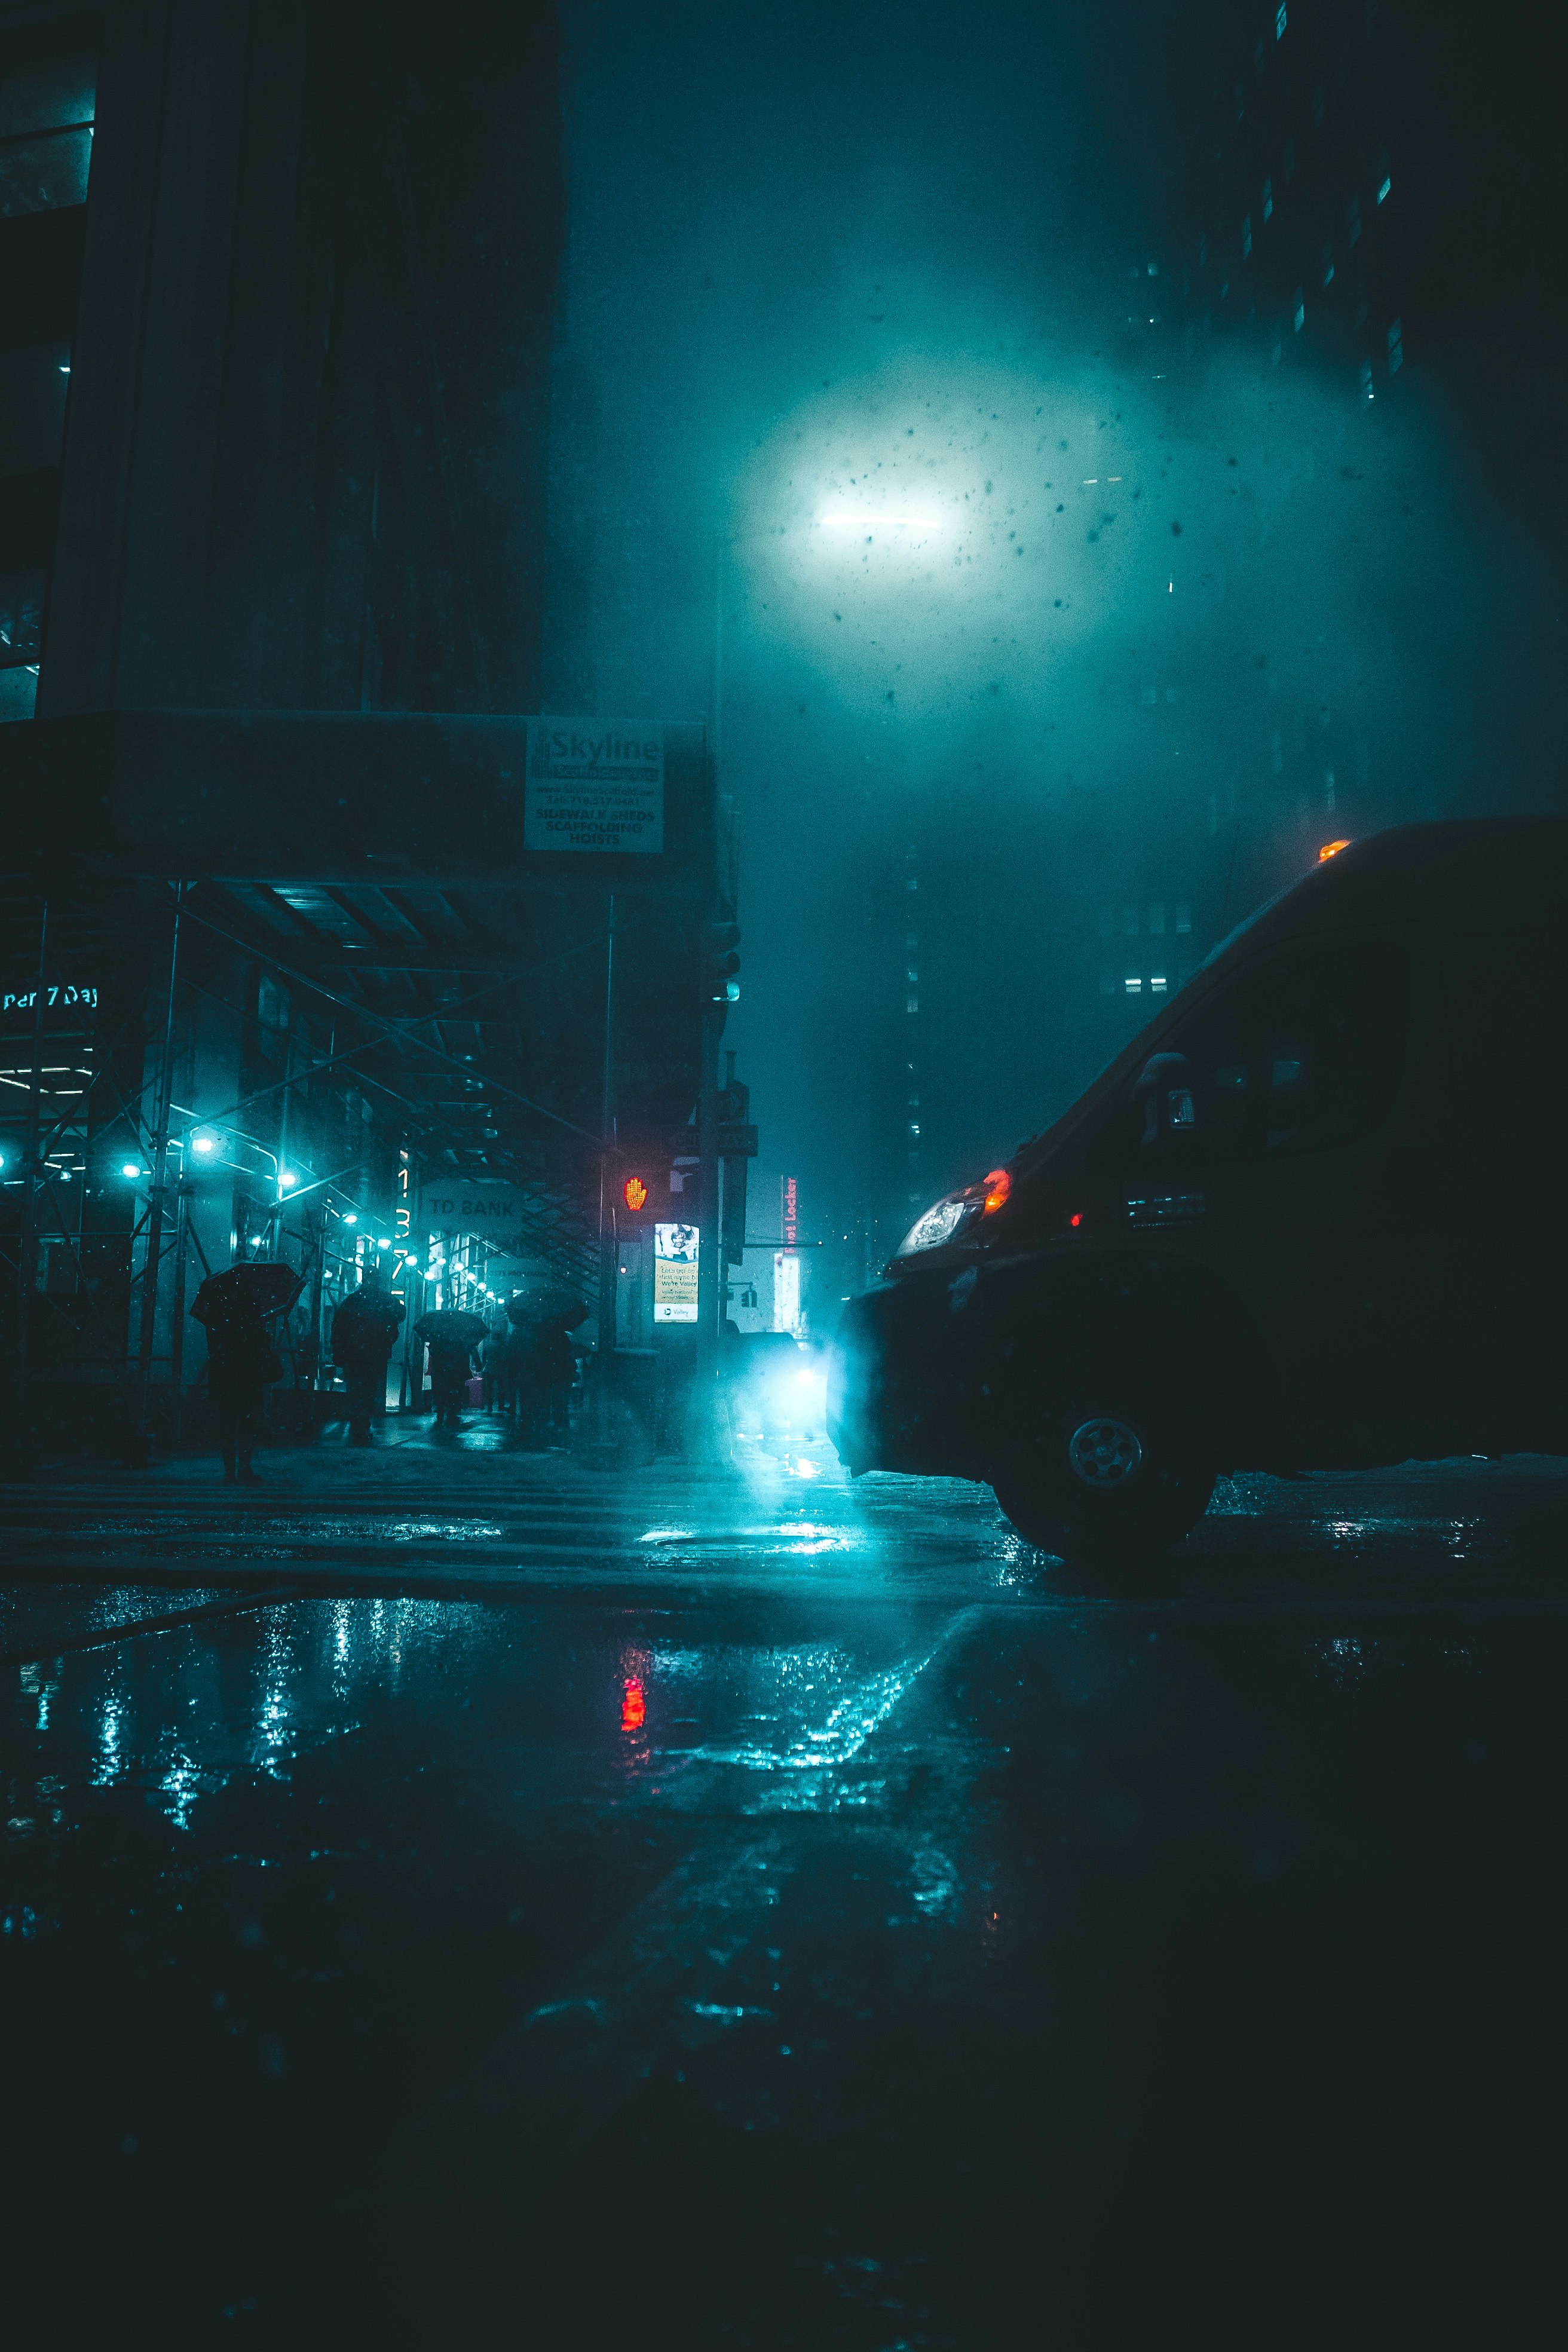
point(998, 1184)
point(1330, 849)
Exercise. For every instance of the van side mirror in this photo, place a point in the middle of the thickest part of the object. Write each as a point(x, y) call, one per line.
point(1166, 1088)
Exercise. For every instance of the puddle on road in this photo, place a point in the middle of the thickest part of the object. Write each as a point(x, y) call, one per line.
point(310, 1528)
point(773, 1539)
point(500, 1704)
point(32, 1616)
point(815, 1741)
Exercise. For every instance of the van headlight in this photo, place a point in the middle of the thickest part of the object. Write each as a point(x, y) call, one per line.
point(940, 1222)
point(955, 1211)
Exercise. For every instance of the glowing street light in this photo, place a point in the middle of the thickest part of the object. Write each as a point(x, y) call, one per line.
point(132, 1168)
point(880, 522)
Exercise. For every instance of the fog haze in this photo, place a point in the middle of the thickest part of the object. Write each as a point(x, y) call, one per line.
point(889, 440)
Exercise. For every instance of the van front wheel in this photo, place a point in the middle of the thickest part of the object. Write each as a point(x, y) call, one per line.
point(1108, 1484)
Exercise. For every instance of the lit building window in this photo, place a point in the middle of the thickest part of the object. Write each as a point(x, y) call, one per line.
point(45, 135)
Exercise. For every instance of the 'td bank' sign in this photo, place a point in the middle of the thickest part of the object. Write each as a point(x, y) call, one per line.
point(594, 784)
point(494, 1211)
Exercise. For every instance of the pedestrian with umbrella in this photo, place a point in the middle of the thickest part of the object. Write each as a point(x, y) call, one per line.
point(550, 1360)
point(364, 1332)
point(236, 1310)
point(452, 1335)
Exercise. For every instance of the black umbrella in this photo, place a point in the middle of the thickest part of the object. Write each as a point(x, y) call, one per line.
point(261, 1287)
point(561, 1309)
point(451, 1327)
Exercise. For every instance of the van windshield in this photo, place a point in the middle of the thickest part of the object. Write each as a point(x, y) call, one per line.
point(1301, 1053)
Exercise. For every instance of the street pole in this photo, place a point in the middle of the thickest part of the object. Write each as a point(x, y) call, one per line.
point(718, 652)
point(709, 1312)
point(178, 1306)
point(606, 1326)
point(27, 1269)
point(318, 1271)
point(150, 1269)
point(705, 1441)
point(276, 1235)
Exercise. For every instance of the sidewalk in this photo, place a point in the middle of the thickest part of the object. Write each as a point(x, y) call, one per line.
point(411, 1463)
point(407, 1450)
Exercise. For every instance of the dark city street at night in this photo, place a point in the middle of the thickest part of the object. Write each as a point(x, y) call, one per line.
point(784, 1425)
point(775, 1911)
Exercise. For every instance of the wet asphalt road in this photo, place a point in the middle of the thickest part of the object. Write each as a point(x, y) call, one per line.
point(497, 1901)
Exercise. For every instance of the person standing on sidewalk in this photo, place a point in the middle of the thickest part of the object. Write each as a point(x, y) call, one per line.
point(241, 1360)
point(450, 1363)
point(364, 1332)
point(554, 1368)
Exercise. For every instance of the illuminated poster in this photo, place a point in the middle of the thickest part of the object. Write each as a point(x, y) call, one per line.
point(674, 1274)
point(594, 784)
point(786, 1292)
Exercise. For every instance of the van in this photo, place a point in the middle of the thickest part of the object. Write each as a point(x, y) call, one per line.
point(1313, 1217)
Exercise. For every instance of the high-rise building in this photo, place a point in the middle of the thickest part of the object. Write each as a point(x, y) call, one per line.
point(275, 384)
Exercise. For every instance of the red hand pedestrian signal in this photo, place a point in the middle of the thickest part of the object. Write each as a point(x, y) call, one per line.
point(634, 1192)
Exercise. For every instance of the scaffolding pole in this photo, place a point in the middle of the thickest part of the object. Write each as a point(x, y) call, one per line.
point(607, 1243)
point(156, 1198)
point(27, 1254)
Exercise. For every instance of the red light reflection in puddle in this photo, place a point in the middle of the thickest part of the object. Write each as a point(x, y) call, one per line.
point(633, 1706)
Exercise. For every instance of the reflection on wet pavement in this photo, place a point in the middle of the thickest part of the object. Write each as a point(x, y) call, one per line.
point(34, 1615)
point(894, 1938)
point(771, 1707)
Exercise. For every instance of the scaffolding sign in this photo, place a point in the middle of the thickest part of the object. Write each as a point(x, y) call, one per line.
point(594, 784)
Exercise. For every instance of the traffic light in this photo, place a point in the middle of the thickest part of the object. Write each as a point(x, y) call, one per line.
point(720, 963)
point(638, 1178)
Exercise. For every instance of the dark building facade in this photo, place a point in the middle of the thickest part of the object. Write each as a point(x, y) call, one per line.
point(278, 960)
